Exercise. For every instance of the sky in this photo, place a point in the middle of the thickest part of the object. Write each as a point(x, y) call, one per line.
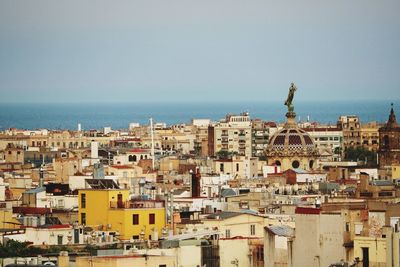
point(209, 50)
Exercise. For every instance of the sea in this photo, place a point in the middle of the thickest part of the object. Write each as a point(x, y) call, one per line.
point(118, 115)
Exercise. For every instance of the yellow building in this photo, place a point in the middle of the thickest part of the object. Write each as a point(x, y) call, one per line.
point(371, 250)
point(7, 220)
point(396, 172)
point(111, 209)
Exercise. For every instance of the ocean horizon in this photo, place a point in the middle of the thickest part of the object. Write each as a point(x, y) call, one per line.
point(118, 115)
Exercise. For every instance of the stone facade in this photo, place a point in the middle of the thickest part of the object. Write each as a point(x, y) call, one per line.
point(389, 142)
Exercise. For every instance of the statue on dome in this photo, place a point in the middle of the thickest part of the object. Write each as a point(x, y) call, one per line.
point(289, 99)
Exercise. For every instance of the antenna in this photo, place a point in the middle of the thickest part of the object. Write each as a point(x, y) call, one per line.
point(152, 141)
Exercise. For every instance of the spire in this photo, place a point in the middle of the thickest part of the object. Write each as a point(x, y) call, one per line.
point(392, 118)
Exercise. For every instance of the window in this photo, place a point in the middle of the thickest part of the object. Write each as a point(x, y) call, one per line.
point(152, 218)
point(221, 167)
point(347, 227)
point(311, 164)
point(237, 167)
point(83, 218)
point(295, 164)
point(83, 201)
point(135, 219)
point(253, 229)
point(227, 233)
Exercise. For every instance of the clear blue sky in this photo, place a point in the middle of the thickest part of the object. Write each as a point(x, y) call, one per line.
point(219, 50)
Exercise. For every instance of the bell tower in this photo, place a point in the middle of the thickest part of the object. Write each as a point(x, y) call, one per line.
point(389, 142)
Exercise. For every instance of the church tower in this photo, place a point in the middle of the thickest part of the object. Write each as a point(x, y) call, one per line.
point(389, 142)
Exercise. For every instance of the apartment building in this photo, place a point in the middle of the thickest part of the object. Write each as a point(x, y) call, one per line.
point(231, 135)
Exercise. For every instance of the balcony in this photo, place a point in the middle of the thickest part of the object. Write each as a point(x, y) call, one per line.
point(137, 204)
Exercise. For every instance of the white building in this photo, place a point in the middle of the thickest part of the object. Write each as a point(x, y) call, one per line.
point(328, 139)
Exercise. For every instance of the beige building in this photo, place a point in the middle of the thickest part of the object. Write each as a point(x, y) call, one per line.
point(370, 136)
point(13, 155)
point(13, 140)
point(232, 135)
point(351, 128)
point(63, 168)
point(229, 224)
point(318, 238)
point(237, 167)
point(201, 136)
point(124, 261)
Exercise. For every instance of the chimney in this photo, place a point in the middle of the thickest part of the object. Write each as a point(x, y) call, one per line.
point(364, 181)
point(196, 177)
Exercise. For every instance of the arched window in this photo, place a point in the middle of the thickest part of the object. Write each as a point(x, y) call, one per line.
point(277, 163)
point(311, 164)
point(130, 158)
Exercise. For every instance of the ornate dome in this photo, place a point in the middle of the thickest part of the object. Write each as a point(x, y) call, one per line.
point(292, 147)
point(291, 141)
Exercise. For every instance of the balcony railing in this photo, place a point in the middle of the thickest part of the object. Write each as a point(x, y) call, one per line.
point(140, 204)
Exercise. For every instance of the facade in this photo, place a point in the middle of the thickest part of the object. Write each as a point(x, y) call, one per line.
point(328, 139)
point(389, 142)
point(125, 261)
point(111, 209)
point(237, 167)
point(230, 225)
point(350, 125)
point(260, 134)
point(233, 135)
point(318, 238)
point(13, 154)
point(370, 136)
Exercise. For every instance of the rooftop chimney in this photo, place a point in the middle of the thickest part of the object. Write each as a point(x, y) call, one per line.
point(196, 177)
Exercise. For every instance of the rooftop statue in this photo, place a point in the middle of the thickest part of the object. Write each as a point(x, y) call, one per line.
point(289, 99)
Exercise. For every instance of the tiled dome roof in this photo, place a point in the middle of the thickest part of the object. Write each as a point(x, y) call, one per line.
point(291, 140)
